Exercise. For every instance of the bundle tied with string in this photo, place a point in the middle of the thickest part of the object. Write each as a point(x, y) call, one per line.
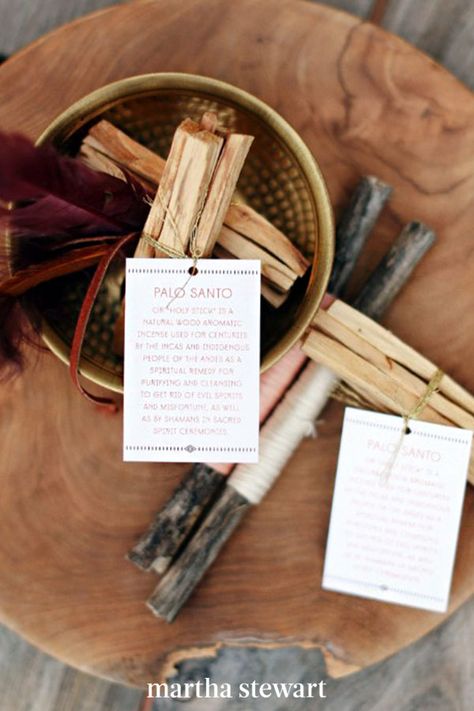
point(380, 372)
point(195, 191)
point(162, 248)
point(226, 228)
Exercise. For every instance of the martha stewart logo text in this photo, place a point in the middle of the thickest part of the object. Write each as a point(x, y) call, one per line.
point(207, 689)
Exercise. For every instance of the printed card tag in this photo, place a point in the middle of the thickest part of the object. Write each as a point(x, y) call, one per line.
point(192, 360)
point(396, 510)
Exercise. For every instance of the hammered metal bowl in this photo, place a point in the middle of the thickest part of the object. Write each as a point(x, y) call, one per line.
point(280, 179)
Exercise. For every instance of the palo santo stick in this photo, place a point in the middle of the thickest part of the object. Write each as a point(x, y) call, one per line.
point(274, 298)
point(248, 223)
point(181, 192)
point(355, 369)
point(156, 216)
point(97, 161)
point(173, 523)
point(283, 431)
point(159, 212)
point(193, 176)
point(111, 143)
point(395, 393)
point(196, 186)
point(267, 290)
point(348, 396)
point(178, 202)
point(224, 181)
point(273, 270)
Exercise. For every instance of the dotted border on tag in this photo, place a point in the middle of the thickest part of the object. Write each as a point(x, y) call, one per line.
point(154, 270)
point(428, 435)
point(383, 588)
point(170, 448)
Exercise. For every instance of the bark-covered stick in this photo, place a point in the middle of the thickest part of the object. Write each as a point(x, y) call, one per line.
point(173, 523)
point(388, 278)
point(354, 227)
point(278, 439)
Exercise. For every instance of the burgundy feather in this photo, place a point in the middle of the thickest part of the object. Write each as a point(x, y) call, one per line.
point(49, 217)
point(59, 203)
point(80, 194)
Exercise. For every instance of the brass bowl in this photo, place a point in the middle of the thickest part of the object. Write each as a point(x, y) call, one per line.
point(280, 179)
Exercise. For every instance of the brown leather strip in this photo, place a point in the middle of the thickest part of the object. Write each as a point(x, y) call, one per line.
point(83, 320)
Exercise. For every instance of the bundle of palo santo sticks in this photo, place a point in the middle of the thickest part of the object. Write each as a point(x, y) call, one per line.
point(60, 215)
point(354, 358)
point(194, 199)
point(380, 372)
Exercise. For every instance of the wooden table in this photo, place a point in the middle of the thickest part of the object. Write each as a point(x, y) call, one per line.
point(341, 119)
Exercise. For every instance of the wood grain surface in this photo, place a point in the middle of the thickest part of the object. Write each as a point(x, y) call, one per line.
point(365, 102)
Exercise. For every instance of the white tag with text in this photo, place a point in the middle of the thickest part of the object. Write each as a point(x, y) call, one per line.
point(192, 360)
point(396, 510)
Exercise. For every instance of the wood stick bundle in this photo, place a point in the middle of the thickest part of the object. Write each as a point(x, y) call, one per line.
point(384, 371)
point(248, 484)
point(246, 234)
point(182, 196)
point(173, 523)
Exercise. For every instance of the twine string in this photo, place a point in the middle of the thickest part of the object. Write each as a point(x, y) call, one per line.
point(431, 388)
point(194, 252)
